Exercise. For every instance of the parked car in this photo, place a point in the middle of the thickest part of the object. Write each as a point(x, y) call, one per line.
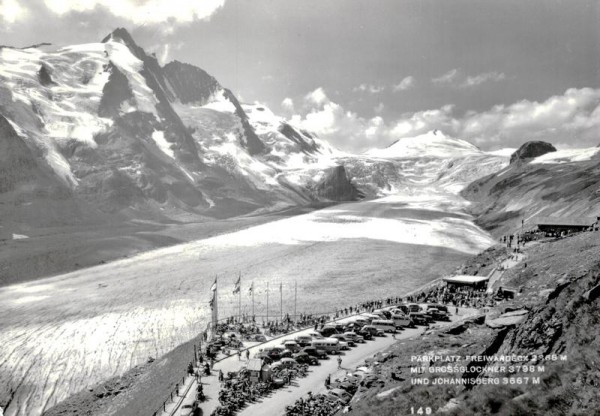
point(437, 315)
point(304, 340)
point(419, 318)
point(367, 336)
point(274, 353)
point(328, 331)
point(339, 395)
point(314, 352)
point(304, 358)
point(413, 307)
point(353, 336)
point(382, 313)
point(373, 331)
point(360, 322)
point(292, 346)
point(315, 335)
point(342, 338)
point(403, 308)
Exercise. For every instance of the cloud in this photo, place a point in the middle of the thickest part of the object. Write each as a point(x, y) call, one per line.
point(379, 108)
point(372, 89)
point(567, 120)
point(317, 97)
point(405, 84)
point(287, 104)
point(342, 128)
point(141, 12)
point(11, 11)
point(455, 79)
point(494, 76)
point(447, 78)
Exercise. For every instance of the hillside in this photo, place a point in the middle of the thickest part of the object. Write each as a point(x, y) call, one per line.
point(559, 286)
point(561, 183)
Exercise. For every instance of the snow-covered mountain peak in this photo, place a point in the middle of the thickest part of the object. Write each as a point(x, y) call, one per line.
point(434, 144)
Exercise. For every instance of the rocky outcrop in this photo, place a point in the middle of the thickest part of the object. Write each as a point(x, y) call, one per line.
point(251, 142)
point(116, 91)
point(294, 136)
point(336, 186)
point(190, 84)
point(44, 76)
point(17, 162)
point(530, 150)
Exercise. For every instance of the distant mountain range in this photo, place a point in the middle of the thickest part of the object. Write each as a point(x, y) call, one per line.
point(101, 132)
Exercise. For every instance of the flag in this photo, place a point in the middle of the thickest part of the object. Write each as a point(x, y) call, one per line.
point(236, 286)
point(212, 301)
point(280, 287)
point(251, 288)
point(213, 288)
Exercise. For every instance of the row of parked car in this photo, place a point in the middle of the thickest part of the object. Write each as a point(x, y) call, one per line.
point(335, 337)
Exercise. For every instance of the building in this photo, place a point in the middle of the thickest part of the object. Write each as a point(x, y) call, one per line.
point(559, 225)
point(258, 370)
point(469, 281)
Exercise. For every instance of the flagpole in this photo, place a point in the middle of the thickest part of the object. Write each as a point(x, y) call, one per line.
point(295, 300)
point(252, 300)
point(267, 302)
point(281, 301)
point(240, 296)
point(215, 312)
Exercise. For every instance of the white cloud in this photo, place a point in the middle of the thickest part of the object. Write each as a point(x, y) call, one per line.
point(447, 78)
point(340, 127)
point(11, 11)
point(140, 12)
point(317, 97)
point(494, 76)
point(407, 83)
point(372, 89)
point(287, 104)
point(454, 78)
point(571, 119)
point(568, 120)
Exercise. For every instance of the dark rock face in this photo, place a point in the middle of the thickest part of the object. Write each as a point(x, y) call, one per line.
point(335, 186)
point(44, 76)
point(190, 84)
point(115, 92)
point(16, 160)
point(293, 135)
point(252, 142)
point(530, 150)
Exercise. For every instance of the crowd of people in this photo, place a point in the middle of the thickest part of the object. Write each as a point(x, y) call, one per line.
point(237, 390)
point(313, 405)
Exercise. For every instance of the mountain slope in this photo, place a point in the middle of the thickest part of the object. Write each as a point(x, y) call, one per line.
point(557, 184)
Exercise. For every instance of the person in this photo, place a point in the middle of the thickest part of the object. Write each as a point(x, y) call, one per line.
point(393, 335)
point(247, 354)
point(240, 355)
point(328, 381)
point(339, 361)
point(221, 377)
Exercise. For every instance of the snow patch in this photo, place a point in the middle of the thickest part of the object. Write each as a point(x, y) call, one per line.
point(128, 64)
point(162, 143)
point(433, 144)
point(567, 156)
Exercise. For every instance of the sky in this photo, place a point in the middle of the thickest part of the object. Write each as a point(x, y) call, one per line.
point(364, 73)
